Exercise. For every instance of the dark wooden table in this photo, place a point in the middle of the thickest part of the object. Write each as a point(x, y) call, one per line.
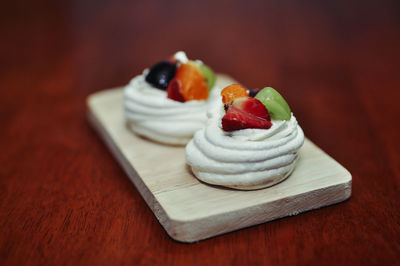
point(65, 200)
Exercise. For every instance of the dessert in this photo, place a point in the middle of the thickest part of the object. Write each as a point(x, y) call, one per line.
point(168, 103)
point(248, 142)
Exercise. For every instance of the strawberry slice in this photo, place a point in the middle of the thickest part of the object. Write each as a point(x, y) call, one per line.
point(174, 91)
point(252, 106)
point(236, 119)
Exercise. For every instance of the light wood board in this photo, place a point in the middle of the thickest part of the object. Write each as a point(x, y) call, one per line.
point(190, 210)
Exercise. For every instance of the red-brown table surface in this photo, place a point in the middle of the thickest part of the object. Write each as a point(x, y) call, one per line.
point(65, 200)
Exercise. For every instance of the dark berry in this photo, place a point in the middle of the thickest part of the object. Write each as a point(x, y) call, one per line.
point(161, 74)
point(253, 92)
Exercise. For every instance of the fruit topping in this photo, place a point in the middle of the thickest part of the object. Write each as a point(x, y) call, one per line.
point(275, 103)
point(232, 92)
point(208, 74)
point(253, 92)
point(181, 57)
point(173, 91)
point(191, 83)
point(236, 119)
point(161, 74)
point(252, 106)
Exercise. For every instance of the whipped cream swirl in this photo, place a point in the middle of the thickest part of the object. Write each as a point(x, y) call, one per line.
point(247, 158)
point(151, 114)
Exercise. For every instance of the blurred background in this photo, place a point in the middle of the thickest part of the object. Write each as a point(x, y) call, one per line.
point(55, 53)
point(336, 63)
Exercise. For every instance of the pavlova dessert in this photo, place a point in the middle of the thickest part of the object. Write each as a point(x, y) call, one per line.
point(249, 142)
point(168, 103)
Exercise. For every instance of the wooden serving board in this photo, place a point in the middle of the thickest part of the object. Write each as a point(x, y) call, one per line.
point(190, 210)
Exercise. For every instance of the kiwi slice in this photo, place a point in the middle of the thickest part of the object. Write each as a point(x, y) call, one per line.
point(208, 74)
point(277, 106)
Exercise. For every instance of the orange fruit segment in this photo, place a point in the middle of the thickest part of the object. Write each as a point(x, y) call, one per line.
point(193, 84)
point(232, 92)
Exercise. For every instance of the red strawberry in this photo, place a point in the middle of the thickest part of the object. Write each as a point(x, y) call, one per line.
point(236, 119)
point(173, 91)
point(252, 106)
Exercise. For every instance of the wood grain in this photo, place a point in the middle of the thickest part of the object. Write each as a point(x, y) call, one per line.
point(190, 210)
point(65, 201)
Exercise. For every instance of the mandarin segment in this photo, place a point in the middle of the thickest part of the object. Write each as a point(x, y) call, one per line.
point(232, 92)
point(193, 85)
